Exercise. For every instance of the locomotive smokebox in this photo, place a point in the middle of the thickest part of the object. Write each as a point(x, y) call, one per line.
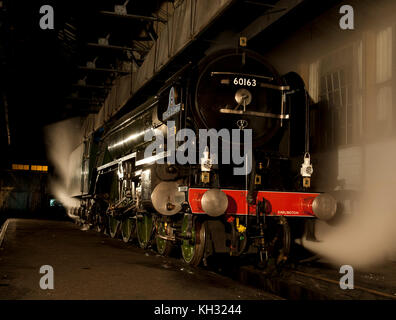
point(214, 202)
point(324, 206)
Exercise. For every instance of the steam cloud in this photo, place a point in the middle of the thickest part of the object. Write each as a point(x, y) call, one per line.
point(61, 139)
point(367, 236)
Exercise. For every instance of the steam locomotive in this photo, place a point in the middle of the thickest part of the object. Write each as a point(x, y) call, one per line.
point(202, 207)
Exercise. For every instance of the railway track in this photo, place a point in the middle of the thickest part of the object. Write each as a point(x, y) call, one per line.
point(294, 284)
point(376, 293)
point(304, 282)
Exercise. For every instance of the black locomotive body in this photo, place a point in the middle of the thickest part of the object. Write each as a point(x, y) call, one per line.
point(206, 164)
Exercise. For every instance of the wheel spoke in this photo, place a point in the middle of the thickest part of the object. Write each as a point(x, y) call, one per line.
point(193, 249)
point(101, 223)
point(127, 228)
point(144, 230)
point(113, 226)
point(164, 246)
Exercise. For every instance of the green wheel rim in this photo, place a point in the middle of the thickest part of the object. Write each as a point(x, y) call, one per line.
point(144, 230)
point(161, 243)
point(188, 246)
point(127, 228)
point(164, 246)
point(113, 226)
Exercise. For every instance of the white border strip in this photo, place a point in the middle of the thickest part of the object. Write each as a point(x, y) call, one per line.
point(130, 156)
point(152, 159)
point(3, 231)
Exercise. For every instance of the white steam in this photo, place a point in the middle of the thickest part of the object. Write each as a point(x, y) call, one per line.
point(61, 139)
point(368, 235)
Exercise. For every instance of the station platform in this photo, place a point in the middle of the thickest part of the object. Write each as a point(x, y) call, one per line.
point(89, 265)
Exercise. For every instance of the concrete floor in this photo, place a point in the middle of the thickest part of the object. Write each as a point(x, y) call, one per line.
point(88, 265)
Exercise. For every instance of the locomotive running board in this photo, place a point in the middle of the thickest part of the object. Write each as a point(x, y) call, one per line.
point(116, 162)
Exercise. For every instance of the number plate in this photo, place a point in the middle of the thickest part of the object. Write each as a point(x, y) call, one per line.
point(245, 82)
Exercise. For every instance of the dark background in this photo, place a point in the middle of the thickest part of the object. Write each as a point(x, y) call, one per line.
point(38, 67)
point(35, 78)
